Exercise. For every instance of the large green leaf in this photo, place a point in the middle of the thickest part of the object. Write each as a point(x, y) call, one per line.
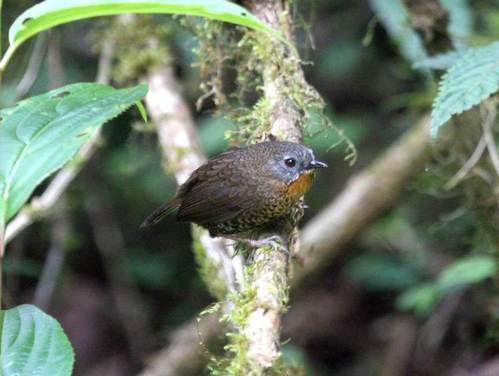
point(473, 78)
point(40, 134)
point(33, 343)
point(50, 13)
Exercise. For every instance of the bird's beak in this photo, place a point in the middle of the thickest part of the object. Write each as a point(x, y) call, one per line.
point(316, 164)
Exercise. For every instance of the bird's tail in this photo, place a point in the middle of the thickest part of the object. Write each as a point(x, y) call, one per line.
point(160, 213)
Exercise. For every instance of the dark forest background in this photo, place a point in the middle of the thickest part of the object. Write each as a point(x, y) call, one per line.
point(121, 293)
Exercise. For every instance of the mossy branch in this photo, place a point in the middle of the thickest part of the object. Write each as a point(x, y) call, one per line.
point(256, 343)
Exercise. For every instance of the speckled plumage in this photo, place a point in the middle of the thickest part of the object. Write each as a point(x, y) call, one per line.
point(245, 189)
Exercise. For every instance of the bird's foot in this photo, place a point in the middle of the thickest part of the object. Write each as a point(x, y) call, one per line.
point(275, 242)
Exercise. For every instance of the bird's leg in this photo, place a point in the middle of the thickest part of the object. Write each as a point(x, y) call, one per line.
point(276, 242)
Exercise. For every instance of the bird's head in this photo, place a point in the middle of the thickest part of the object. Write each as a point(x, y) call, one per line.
point(291, 160)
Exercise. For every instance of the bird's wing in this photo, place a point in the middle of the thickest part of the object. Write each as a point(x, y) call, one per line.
point(208, 204)
point(216, 193)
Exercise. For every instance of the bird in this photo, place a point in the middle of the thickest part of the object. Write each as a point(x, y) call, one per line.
point(245, 191)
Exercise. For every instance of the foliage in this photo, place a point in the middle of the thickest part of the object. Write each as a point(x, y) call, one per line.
point(422, 298)
point(50, 13)
point(472, 75)
point(68, 117)
point(472, 79)
point(467, 270)
point(33, 343)
point(129, 37)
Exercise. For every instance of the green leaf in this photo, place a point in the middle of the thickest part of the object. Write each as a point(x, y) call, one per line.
point(420, 299)
point(50, 13)
point(40, 134)
point(395, 17)
point(142, 111)
point(472, 269)
point(473, 78)
point(33, 343)
point(460, 25)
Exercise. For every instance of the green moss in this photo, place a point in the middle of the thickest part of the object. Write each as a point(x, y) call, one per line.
point(140, 45)
point(247, 54)
point(207, 270)
point(214, 53)
point(244, 304)
point(252, 124)
point(235, 361)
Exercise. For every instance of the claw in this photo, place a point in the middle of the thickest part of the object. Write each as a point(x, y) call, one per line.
point(274, 241)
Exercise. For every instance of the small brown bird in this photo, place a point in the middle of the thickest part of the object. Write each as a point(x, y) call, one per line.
point(244, 190)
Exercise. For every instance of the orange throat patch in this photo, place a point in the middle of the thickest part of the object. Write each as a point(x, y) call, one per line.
point(301, 185)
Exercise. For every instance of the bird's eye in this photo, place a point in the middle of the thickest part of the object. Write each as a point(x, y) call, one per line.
point(290, 162)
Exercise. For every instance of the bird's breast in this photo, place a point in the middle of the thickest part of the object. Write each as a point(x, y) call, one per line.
point(300, 186)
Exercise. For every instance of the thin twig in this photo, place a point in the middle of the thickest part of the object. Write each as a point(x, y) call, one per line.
point(54, 260)
point(402, 331)
point(54, 60)
point(105, 62)
point(33, 68)
point(111, 245)
point(182, 356)
point(60, 228)
point(468, 165)
point(435, 328)
point(487, 124)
